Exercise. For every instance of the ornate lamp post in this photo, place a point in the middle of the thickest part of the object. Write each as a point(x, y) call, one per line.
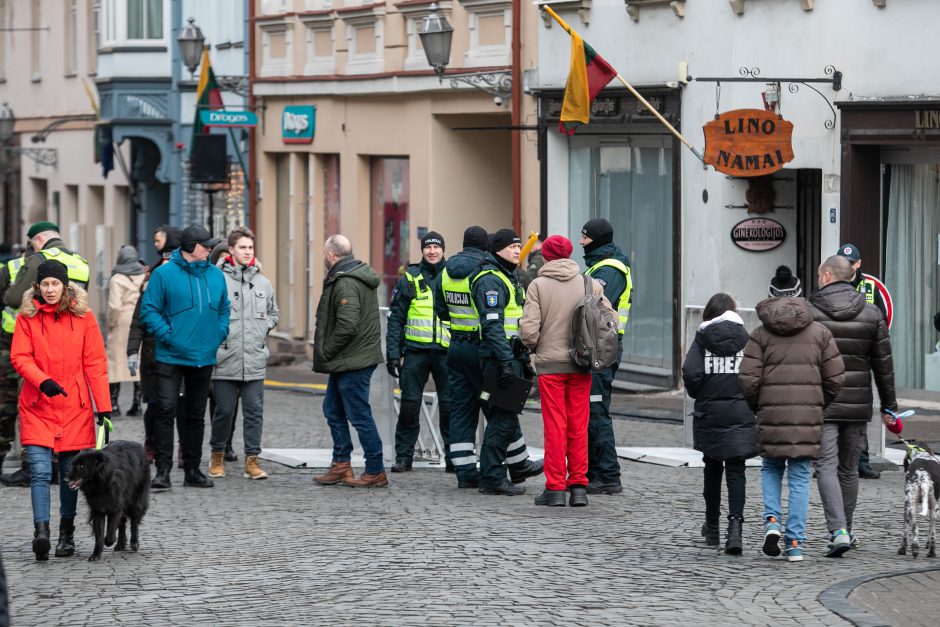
point(191, 42)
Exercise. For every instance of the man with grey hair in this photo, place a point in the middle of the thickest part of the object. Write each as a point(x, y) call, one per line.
point(862, 337)
point(347, 345)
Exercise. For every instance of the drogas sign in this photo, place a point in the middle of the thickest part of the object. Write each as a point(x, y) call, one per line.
point(298, 123)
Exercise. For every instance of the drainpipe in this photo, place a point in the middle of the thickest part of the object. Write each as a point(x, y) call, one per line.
point(176, 193)
point(515, 135)
point(251, 182)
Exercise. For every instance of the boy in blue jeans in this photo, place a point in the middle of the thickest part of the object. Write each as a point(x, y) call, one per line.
point(791, 371)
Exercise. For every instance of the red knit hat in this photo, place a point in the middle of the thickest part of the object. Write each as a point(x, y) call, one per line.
point(556, 247)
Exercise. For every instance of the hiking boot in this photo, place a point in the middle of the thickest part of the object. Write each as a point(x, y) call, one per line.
point(66, 545)
point(216, 465)
point(193, 478)
point(338, 472)
point(529, 469)
point(710, 533)
point(578, 496)
point(552, 498)
point(41, 540)
point(402, 464)
point(505, 489)
point(867, 472)
point(18, 479)
point(839, 543)
point(772, 533)
point(794, 551)
point(134, 410)
point(161, 480)
point(368, 480)
point(597, 487)
point(472, 482)
point(734, 542)
point(253, 469)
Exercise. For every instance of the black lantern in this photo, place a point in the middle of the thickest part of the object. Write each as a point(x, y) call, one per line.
point(191, 42)
point(436, 34)
point(7, 120)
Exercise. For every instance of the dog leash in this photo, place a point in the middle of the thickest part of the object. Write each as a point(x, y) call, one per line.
point(104, 433)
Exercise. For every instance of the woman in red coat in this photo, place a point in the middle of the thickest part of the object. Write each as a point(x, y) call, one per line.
point(58, 350)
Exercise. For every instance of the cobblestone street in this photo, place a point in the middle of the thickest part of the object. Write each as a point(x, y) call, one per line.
point(287, 552)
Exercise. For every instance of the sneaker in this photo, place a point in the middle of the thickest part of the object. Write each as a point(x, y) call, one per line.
point(794, 551)
point(839, 543)
point(253, 469)
point(867, 472)
point(853, 540)
point(772, 533)
point(216, 466)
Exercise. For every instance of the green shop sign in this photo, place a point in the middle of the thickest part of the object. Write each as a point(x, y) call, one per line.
point(228, 118)
point(298, 123)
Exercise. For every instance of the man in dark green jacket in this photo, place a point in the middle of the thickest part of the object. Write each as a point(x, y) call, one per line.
point(347, 345)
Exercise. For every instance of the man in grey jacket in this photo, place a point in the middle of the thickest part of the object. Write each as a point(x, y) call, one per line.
point(242, 358)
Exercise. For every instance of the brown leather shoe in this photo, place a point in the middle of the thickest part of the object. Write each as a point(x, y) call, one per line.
point(338, 472)
point(366, 480)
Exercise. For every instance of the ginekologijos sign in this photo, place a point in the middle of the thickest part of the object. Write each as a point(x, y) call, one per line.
point(758, 234)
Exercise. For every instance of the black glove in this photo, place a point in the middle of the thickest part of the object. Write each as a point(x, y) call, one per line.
point(102, 416)
point(506, 375)
point(527, 370)
point(50, 388)
point(394, 367)
point(518, 347)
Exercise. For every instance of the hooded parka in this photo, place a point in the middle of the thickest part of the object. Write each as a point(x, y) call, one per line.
point(66, 347)
point(791, 371)
point(723, 426)
point(243, 356)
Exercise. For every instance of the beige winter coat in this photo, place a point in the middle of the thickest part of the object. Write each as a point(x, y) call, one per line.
point(545, 325)
point(123, 292)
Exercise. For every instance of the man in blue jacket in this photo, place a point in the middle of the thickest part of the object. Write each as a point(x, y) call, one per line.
point(186, 308)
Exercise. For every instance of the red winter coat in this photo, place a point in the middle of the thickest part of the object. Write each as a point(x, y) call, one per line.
point(67, 348)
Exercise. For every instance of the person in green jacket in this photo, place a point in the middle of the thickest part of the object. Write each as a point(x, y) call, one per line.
point(347, 345)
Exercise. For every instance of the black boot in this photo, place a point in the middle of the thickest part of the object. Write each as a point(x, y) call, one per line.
point(505, 488)
point(193, 478)
point(41, 541)
point(733, 543)
point(449, 467)
point(115, 393)
point(135, 406)
point(551, 498)
point(20, 478)
point(529, 469)
point(161, 480)
point(710, 533)
point(66, 544)
point(402, 464)
point(578, 496)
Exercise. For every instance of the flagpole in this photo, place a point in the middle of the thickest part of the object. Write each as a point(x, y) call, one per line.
point(635, 93)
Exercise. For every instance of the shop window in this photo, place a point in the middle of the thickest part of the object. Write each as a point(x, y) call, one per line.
point(389, 221)
point(490, 26)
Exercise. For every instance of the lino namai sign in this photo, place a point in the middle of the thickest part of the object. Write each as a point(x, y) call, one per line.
point(748, 142)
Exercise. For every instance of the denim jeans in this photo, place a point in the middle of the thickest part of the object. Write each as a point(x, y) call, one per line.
point(40, 458)
point(771, 478)
point(226, 394)
point(347, 402)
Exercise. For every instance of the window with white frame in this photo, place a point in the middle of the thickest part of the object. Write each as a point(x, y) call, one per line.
point(415, 59)
point(145, 19)
point(319, 5)
point(136, 22)
point(94, 34)
point(276, 43)
point(365, 37)
point(321, 46)
point(490, 26)
point(71, 37)
point(273, 7)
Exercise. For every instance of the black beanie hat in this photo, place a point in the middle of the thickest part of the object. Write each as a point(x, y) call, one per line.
point(784, 283)
point(476, 237)
point(599, 230)
point(433, 237)
point(503, 238)
point(54, 269)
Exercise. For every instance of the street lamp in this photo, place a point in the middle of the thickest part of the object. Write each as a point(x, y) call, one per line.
point(436, 34)
point(191, 42)
point(45, 156)
point(7, 120)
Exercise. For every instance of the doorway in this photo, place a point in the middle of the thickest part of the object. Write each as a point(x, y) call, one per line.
point(389, 222)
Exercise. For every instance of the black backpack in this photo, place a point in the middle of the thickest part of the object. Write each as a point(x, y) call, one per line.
point(594, 338)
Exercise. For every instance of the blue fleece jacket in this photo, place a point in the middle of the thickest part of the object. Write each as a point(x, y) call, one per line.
point(186, 307)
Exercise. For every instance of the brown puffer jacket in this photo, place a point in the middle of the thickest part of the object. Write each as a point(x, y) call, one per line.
point(791, 371)
point(862, 338)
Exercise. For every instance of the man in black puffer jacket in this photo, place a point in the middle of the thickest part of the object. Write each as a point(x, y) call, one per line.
point(862, 338)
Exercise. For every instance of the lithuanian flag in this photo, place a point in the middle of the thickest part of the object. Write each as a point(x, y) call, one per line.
point(589, 74)
point(208, 94)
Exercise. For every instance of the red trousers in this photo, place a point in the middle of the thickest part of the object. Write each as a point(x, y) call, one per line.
point(565, 410)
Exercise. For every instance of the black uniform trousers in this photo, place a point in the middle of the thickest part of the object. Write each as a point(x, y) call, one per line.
point(503, 444)
point(603, 466)
point(416, 367)
point(466, 383)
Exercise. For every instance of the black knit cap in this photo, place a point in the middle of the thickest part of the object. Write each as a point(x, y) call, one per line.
point(433, 237)
point(599, 230)
point(784, 284)
point(476, 237)
point(54, 269)
point(503, 238)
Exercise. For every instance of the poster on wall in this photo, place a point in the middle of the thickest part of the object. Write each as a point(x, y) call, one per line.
point(748, 142)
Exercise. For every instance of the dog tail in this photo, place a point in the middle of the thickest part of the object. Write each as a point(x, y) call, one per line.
point(925, 487)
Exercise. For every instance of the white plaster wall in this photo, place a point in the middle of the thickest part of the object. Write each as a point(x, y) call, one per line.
point(783, 41)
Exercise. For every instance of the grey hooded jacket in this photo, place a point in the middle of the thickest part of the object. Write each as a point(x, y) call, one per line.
point(243, 356)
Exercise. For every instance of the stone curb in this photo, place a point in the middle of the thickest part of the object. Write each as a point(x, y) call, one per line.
point(836, 598)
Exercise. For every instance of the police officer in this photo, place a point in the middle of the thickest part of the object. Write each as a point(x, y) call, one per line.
point(45, 240)
point(608, 265)
point(867, 287)
point(416, 333)
point(498, 299)
point(9, 377)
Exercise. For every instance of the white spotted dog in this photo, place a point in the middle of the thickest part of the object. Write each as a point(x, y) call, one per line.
point(921, 497)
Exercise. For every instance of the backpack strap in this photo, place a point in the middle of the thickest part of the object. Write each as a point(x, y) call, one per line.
point(588, 285)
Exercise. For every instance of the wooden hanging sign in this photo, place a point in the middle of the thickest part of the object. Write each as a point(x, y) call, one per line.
point(748, 142)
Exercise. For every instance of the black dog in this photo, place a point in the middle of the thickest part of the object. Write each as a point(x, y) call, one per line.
point(116, 484)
